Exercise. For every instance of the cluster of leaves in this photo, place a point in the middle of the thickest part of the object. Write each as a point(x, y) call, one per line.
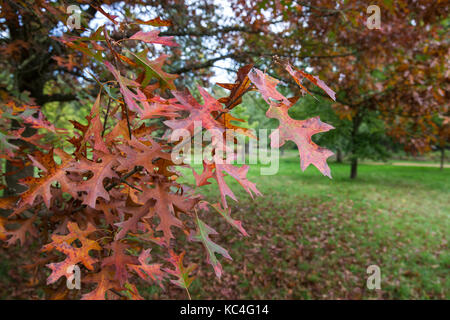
point(113, 197)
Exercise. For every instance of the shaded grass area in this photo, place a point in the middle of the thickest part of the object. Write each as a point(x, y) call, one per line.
point(313, 238)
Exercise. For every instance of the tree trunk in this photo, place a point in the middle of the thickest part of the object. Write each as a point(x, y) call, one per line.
point(338, 155)
point(442, 158)
point(357, 120)
point(354, 168)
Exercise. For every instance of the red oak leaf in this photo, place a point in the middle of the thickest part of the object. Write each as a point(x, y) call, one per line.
point(238, 173)
point(300, 132)
point(51, 173)
point(137, 213)
point(93, 187)
point(298, 76)
point(182, 273)
point(198, 113)
point(119, 259)
point(267, 86)
point(147, 271)
point(105, 281)
point(202, 235)
point(74, 255)
point(167, 203)
point(139, 154)
point(152, 37)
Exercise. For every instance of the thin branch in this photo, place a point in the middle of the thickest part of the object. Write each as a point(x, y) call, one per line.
point(106, 117)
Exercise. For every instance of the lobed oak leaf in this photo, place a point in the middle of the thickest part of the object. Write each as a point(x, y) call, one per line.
point(129, 96)
point(202, 235)
point(105, 281)
point(266, 85)
point(238, 89)
point(300, 132)
point(133, 292)
point(137, 213)
point(153, 69)
point(167, 203)
point(109, 209)
point(158, 107)
point(74, 233)
point(198, 113)
point(74, 255)
point(91, 132)
point(41, 122)
point(226, 119)
point(298, 75)
point(182, 273)
point(226, 213)
point(26, 226)
point(147, 271)
point(238, 173)
point(118, 259)
point(93, 187)
point(152, 37)
point(52, 172)
point(139, 154)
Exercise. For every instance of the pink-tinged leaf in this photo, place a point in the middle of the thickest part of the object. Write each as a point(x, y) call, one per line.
point(157, 108)
point(267, 86)
point(93, 187)
point(104, 281)
point(198, 113)
point(129, 96)
point(298, 76)
point(139, 154)
point(137, 213)
point(147, 272)
point(238, 173)
point(202, 235)
point(75, 254)
point(133, 292)
point(226, 213)
point(166, 203)
point(52, 172)
point(208, 172)
point(300, 132)
point(41, 123)
point(118, 259)
point(182, 273)
point(152, 37)
point(19, 234)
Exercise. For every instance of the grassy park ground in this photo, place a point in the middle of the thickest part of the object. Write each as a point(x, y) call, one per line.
point(313, 238)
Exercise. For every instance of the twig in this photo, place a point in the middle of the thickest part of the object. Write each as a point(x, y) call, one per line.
point(126, 176)
point(106, 117)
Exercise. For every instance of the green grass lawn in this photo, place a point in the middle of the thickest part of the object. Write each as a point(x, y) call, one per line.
point(313, 238)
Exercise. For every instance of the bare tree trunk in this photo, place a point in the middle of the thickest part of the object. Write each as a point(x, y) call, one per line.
point(339, 155)
point(354, 168)
point(357, 120)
